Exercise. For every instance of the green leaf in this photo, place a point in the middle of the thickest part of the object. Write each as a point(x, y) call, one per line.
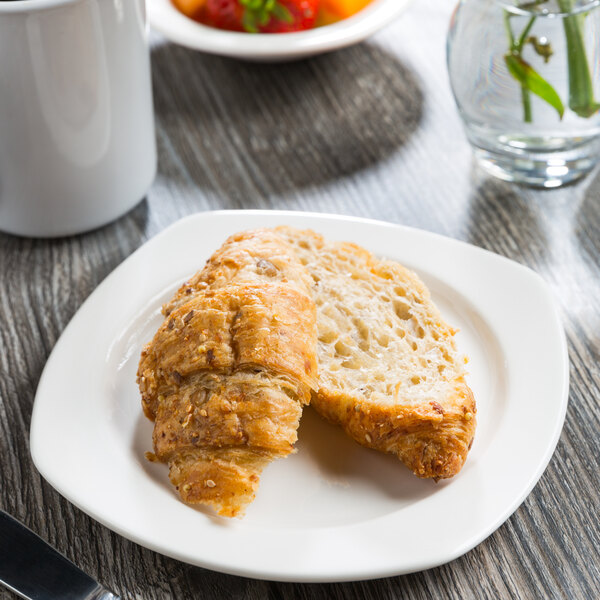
point(264, 16)
point(249, 21)
point(258, 13)
point(282, 13)
point(530, 79)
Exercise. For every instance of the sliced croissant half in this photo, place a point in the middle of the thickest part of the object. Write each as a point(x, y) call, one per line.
point(229, 370)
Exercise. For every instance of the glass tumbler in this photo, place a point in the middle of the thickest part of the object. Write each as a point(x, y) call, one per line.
point(526, 79)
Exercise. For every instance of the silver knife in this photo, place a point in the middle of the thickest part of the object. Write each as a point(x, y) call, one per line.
point(34, 570)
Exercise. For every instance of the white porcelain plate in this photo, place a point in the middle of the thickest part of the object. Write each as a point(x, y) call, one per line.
point(175, 26)
point(333, 511)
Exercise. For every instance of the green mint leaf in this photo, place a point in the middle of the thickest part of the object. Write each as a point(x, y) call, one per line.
point(249, 21)
point(263, 17)
point(282, 13)
point(530, 79)
point(258, 13)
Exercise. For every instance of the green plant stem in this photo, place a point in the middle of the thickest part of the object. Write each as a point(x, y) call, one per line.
point(525, 93)
point(511, 37)
point(516, 47)
point(581, 89)
point(526, 97)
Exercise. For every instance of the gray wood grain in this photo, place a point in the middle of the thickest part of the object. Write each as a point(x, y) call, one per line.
point(369, 131)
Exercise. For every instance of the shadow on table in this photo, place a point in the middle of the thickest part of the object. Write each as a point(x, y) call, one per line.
point(586, 226)
point(56, 275)
point(587, 221)
point(503, 219)
point(133, 223)
point(555, 232)
point(246, 130)
point(524, 223)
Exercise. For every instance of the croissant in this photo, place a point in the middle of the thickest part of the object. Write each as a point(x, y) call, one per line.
point(229, 370)
point(256, 257)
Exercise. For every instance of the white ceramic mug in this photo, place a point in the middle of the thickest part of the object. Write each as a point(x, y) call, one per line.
point(77, 143)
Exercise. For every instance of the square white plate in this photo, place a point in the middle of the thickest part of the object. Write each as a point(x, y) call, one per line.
point(334, 511)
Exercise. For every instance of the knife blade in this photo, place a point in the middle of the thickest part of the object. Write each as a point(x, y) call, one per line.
point(35, 571)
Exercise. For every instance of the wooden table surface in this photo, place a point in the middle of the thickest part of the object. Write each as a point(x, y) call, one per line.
point(369, 131)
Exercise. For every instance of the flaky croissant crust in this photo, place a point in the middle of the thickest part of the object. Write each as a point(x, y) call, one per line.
point(228, 371)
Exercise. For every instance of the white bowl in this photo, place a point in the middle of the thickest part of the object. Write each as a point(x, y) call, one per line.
point(178, 28)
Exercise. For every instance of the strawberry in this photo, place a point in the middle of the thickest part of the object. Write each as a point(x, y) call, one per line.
point(303, 14)
point(260, 16)
point(223, 14)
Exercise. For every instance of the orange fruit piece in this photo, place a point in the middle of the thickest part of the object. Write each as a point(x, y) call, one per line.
point(189, 7)
point(343, 8)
